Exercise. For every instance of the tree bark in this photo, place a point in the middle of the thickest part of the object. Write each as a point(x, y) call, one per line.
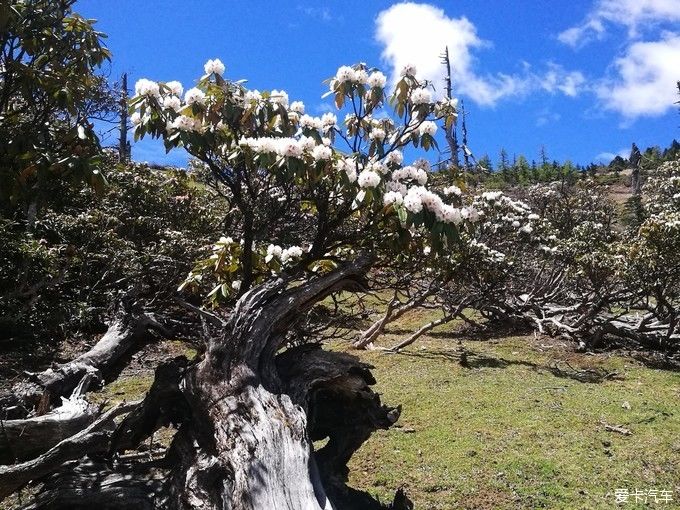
point(45, 389)
point(248, 415)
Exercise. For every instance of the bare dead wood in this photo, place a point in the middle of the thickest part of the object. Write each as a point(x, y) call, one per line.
point(89, 485)
point(21, 440)
point(125, 331)
point(94, 438)
point(394, 311)
point(616, 428)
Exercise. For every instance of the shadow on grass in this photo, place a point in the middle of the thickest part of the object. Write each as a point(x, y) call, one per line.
point(473, 361)
point(658, 361)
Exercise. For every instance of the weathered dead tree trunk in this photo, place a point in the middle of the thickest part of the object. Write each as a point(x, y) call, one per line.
point(24, 439)
point(94, 438)
point(247, 415)
point(394, 311)
point(250, 443)
point(46, 388)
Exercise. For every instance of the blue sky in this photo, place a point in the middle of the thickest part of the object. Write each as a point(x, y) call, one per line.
point(584, 78)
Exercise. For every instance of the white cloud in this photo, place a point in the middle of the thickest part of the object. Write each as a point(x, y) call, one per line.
point(607, 157)
point(645, 79)
point(395, 32)
point(635, 15)
point(556, 78)
point(547, 116)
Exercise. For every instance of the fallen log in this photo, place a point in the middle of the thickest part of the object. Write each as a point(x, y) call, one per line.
point(21, 440)
point(94, 438)
point(46, 388)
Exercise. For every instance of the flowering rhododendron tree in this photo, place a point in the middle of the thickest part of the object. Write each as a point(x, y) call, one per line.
point(313, 204)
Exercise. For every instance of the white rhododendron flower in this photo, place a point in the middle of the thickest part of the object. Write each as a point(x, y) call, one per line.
point(252, 95)
point(328, 119)
point(345, 74)
point(452, 190)
point(393, 197)
point(214, 67)
point(322, 153)
point(395, 157)
point(368, 179)
point(297, 107)
point(290, 148)
point(379, 167)
point(136, 119)
point(307, 143)
point(279, 97)
point(175, 87)
point(377, 134)
point(290, 254)
point(428, 128)
point(492, 196)
point(183, 123)
point(421, 176)
point(408, 70)
point(172, 103)
point(307, 121)
point(194, 96)
point(412, 202)
point(361, 76)
point(421, 96)
point(273, 252)
point(146, 87)
point(377, 80)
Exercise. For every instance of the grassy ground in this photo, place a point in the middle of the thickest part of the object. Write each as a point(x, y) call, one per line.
point(521, 427)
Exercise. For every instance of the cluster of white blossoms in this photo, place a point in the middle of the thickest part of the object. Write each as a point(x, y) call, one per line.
point(297, 107)
point(347, 74)
point(409, 172)
point(285, 146)
point(394, 157)
point(368, 179)
point(194, 96)
point(452, 190)
point(349, 167)
point(377, 134)
point(408, 70)
point(175, 87)
point(284, 255)
point(418, 198)
point(172, 103)
point(279, 97)
point(214, 67)
point(427, 128)
point(185, 123)
point(148, 88)
point(421, 96)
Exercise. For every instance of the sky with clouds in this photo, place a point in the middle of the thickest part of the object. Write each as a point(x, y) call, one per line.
point(583, 78)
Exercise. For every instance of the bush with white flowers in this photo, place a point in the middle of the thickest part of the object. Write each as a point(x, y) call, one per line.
point(306, 192)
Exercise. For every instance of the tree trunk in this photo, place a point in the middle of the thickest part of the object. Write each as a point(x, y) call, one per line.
point(247, 414)
point(254, 416)
point(45, 389)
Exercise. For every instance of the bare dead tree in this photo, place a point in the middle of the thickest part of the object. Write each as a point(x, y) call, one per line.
point(451, 134)
point(124, 152)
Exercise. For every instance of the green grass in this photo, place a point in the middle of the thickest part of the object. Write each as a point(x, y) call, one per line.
point(513, 431)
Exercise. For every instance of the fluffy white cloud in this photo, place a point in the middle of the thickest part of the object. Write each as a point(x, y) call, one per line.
point(607, 157)
point(633, 14)
point(645, 79)
point(395, 32)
